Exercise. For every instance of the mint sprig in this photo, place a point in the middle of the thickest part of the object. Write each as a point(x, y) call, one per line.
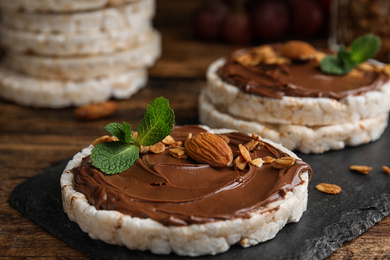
point(116, 157)
point(361, 49)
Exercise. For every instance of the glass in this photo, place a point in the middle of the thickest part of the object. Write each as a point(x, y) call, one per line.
point(353, 18)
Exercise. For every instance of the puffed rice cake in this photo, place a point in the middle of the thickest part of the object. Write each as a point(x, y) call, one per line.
point(306, 111)
point(35, 92)
point(306, 139)
point(124, 17)
point(59, 5)
point(78, 68)
point(193, 240)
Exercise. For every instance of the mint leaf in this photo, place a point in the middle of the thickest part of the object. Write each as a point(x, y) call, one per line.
point(362, 49)
point(122, 132)
point(117, 130)
point(114, 157)
point(365, 47)
point(331, 65)
point(157, 122)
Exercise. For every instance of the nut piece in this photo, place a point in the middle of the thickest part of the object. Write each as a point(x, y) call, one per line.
point(240, 163)
point(386, 169)
point(179, 153)
point(328, 188)
point(360, 168)
point(298, 50)
point(157, 148)
point(245, 153)
point(168, 140)
point(283, 162)
point(176, 144)
point(209, 148)
point(251, 145)
point(96, 111)
point(258, 162)
point(268, 159)
point(103, 139)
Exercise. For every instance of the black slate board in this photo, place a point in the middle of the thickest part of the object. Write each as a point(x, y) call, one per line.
point(329, 221)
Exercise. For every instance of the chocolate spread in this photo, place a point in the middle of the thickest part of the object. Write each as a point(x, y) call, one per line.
point(182, 191)
point(298, 79)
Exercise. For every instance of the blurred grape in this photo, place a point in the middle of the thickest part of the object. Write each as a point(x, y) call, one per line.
point(208, 19)
point(306, 17)
point(237, 28)
point(270, 18)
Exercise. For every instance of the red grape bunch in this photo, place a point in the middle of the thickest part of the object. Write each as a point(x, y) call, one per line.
point(241, 22)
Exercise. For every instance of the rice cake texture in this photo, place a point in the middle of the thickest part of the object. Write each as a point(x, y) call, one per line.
point(307, 139)
point(126, 16)
point(79, 68)
point(289, 110)
point(59, 5)
point(193, 240)
point(31, 91)
point(75, 44)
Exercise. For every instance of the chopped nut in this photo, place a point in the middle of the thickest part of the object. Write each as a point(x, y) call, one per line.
point(247, 60)
point(157, 148)
point(328, 188)
point(168, 140)
point(103, 139)
point(179, 153)
point(258, 162)
point(261, 54)
point(318, 56)
point(283, 162)
point(240, 163)
point(135, 134)
point(268, 159)
point(176, 144)
point(225, 138)
point(386, 69)
point(386, 169)
point(96, 111)
point(365, 66)
point(257, 138)
point(360, 168)
point(245, 153)
point(251, 145)
point(355, 73)
point(145, 149)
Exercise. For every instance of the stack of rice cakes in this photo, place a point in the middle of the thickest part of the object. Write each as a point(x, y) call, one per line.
point(70, 53)
point(307, 124)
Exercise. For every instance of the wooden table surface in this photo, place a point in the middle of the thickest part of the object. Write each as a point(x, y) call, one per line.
point(32, 138)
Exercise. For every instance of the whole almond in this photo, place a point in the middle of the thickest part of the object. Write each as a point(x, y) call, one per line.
point(96, 111)
point(297, 50)
point(210, 149)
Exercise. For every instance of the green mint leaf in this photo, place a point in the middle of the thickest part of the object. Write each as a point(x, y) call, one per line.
point(122, 132)
point(365, 47)
point(114, 157)
point(362, 49)
point(346, 60)
point(157, 122)
point(332, 65)
point(117, 130)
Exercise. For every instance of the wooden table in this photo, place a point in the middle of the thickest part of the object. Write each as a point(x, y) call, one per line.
point(31, 138)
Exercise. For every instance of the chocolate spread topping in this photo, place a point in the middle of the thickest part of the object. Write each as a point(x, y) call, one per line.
point(298, 79)
point(182, 191)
